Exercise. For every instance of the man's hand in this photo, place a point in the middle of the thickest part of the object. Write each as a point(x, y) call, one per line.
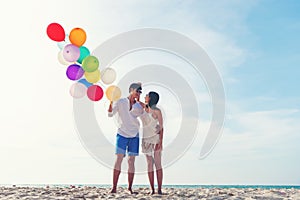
point(110, 107)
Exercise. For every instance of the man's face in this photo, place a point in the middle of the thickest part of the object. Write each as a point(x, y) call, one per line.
point(135, 93)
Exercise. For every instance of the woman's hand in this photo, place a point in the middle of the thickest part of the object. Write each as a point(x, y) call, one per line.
point(141, 103)
point(159, 146)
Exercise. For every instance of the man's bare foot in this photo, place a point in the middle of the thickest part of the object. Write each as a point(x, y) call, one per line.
point(114, 190)
point(159, 192)
point(132, 192)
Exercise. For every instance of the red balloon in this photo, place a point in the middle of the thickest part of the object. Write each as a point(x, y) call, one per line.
point(95, 93)
point(56, 32)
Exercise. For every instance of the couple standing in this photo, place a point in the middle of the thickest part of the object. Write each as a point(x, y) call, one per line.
point(127, 140)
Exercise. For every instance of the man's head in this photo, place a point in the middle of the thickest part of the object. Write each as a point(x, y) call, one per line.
point(135, 89)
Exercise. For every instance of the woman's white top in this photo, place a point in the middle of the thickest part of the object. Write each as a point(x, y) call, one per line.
point(150, 128)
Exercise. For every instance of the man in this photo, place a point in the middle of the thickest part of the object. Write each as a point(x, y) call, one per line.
point(127, 140)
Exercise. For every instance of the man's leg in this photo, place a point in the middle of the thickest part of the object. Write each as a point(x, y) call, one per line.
point(117, 171)
point(133, 150)
point(121, 143)
point(131, 169)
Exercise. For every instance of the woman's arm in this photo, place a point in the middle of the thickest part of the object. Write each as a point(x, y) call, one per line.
point(161, 129)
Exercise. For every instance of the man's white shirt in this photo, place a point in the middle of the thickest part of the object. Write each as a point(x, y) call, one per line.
point(128, 123)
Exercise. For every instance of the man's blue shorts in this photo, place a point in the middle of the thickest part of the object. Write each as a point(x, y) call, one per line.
point(131, 145)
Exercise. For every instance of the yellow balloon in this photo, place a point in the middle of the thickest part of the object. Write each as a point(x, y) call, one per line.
point(113, 93)
point(92, 77)
point(77, 36)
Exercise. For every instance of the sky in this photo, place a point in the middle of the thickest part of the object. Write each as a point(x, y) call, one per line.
point(255, 46)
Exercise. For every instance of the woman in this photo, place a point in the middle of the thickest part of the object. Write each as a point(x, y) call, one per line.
point(152, 138)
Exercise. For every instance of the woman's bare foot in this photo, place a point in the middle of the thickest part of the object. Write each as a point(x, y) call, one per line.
point(152, 193)
point(114, 190)
point(159, 192)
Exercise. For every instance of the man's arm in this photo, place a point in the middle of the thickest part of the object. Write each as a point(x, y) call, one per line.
point(141, 103)
point(112, 109)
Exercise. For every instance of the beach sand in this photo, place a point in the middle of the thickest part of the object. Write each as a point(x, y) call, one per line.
point(86, 192)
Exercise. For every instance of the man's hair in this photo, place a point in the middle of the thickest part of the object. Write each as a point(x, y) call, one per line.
point(136, 86)
point(154, 97)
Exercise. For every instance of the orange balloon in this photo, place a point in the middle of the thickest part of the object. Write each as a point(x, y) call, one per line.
point(77, 36)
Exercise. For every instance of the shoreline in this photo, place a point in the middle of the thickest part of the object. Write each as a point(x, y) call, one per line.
point(93, 192)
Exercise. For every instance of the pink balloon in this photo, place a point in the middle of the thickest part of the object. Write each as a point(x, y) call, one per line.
point(71, 53)
point(78, 90)
point(95, 93)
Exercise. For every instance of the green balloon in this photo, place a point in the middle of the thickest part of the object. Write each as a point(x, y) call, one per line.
point(90, 64)
point(84, 52)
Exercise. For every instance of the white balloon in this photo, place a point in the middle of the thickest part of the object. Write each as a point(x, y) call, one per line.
point(61, 59)
point(108, 75)
point(78, 90)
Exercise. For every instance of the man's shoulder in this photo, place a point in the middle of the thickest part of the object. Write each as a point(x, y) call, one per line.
point(137, 104)
point(122, 100)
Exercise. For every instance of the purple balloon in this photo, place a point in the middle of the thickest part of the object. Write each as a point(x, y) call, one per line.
point(71, 53)
point(74, 72)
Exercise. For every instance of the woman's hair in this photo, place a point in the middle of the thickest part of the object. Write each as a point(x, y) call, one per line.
point(154, 97)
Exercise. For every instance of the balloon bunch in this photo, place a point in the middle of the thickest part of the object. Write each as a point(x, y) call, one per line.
point(82, 66)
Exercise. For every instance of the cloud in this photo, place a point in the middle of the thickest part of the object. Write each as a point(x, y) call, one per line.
point(264, 135)
point(255, 148)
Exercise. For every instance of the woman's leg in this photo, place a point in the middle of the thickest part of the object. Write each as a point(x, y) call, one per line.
point(159, 171)
point(150, 172)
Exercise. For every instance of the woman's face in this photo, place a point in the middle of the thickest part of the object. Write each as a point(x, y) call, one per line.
point(147, 98)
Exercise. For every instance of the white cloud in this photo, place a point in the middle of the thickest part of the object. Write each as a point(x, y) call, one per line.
point(255, 148)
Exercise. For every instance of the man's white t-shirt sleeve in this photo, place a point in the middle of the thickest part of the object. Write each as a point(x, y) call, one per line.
point(114, 110)
point(137, 110)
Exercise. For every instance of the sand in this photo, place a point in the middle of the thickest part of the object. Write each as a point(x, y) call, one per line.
point(86, 192)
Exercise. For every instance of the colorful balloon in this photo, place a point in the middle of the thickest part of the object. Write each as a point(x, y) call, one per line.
point(108, 75)
point(78, 90)
point(113, 93)
point(71, 53)
point(62, 44)
point(85, 82)
point(95, 93)
point(90, 64)
point(92, 77)
point(56, 32)
point(77, 36)
point(74, 72)
point(61, 59)
point(84, 52)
